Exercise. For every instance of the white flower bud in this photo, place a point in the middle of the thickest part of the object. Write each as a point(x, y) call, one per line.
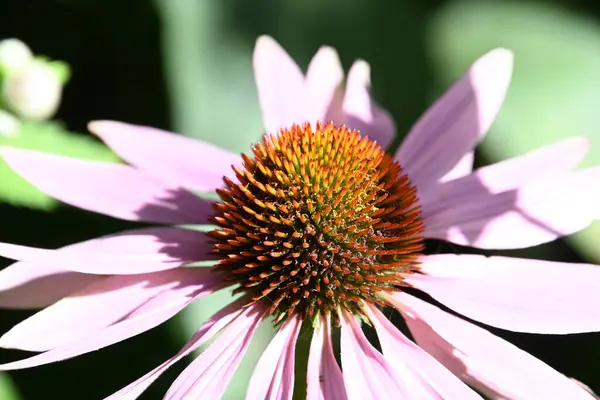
point(33, 92)
point(14, 55)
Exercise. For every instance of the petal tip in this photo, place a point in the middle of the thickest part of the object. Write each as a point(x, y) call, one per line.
point(497, 64)
point(361, 70)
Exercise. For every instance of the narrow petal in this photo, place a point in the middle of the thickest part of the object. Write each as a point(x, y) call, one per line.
point(151, 314)
point(360, 110)
point(324, 377)
point(174, 158)
point(91, 309)
point(535, 213)
point(549, 161)
point(27, 285)
point(209, 374)
point(490, 364)
point(516, 294)
point(280, 83)
point(324, 80)
point(412, 362)
point(138, 251)
point(457, 120)
point(111, 189)
point(462, 168)
point(233, 314)
point(367, 375)
point(273, 377)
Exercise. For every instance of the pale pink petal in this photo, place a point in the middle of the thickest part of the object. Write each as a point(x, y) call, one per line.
point(107, 188)
point(273, 377)
point(535, 213)
point(367, 375)
point(549, 161)
point(137, 251)
point(176, 159)
point(280, 83)
point(324, 80)
point(93, 308)
point(462, 168)
point(415, 364)
point(154, 312)
point(223, 318)
point(457, 120)
point(361, 112)
point(490, 364)
point(516, 294)
point(209, 374)
point(26, 285)
point(324, 377)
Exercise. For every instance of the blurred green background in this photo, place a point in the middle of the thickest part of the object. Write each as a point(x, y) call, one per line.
point(185, 65)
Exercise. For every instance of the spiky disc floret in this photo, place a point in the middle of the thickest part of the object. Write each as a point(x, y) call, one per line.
point(320, 220)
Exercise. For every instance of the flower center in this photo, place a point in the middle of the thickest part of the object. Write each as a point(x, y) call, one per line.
point(320, 220)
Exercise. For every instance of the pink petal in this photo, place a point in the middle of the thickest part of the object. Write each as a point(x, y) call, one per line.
point(112, 189)
point(457, 120)
point(535, 213)
point(280, 83)
point(415, 364)
point(234, 314)
point(367, 375)
point(360, 110)
point(324, 80)
point(137, 251)
point(91, 309)
point(490, 364)
point(26, 285)
point(273, 377)
point(549, 161)
point(156, 311)
point(324, 377)
point(209, 374)
point(462, 168)
point(174, 158)
point(516, 294)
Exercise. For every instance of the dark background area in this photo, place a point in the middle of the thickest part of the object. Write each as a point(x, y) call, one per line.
point(115, 51)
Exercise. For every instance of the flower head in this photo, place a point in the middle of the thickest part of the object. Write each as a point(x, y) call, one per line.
point(318, 223)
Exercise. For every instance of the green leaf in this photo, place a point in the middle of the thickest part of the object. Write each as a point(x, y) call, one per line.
point(555, 92)
point(50, 137)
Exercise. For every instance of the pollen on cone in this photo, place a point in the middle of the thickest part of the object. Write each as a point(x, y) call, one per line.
point(320, 219)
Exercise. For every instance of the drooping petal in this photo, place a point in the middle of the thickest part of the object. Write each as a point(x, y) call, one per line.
point(367, 375)
point(209, 374)
point(281, 87)
point(273, 377)
point(150, 314)
point(112, 189)
point(488, 363)
point(27, 285)
point(462, 168)
point(138, 251)
point(234, 314)
point(522, 295)
point(415, 364)
point(549, 161)
point(324, 79)
point(176, 159)
point(324, 377)
point(535, 213)
point(91, 309)
point(457, 120)
point(361, 112)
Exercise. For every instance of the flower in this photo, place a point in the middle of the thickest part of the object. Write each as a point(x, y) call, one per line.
point(319, 228)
